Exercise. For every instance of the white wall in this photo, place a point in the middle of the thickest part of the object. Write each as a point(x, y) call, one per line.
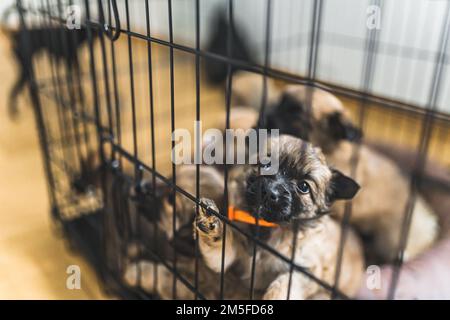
point(409, 38)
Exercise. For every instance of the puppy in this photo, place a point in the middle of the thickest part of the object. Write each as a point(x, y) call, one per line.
point(378, 210)
point(297, 199)
point(138, 223)
point(142, 270)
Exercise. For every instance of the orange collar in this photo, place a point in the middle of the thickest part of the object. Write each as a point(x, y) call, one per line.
point(243, 216)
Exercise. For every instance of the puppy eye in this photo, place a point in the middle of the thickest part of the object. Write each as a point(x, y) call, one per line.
point(303, 186)
point(265, 165)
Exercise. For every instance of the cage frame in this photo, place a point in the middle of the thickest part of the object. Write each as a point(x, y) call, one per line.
point(110, 135)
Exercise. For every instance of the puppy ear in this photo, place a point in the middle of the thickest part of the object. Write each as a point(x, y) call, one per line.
point(291, 116)
point(342, 187)
point(289, 104)
point(342, 129)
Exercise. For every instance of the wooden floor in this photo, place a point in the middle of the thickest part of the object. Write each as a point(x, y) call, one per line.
point(33, 259)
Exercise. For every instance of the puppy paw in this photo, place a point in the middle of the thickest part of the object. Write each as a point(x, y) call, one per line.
point(276, 291)
point(207, 224)
point(131, 275)
point(140, 274)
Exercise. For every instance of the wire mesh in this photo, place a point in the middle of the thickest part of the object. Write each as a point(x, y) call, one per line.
point(123, 110)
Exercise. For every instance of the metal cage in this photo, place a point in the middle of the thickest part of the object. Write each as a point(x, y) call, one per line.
point(130, 87)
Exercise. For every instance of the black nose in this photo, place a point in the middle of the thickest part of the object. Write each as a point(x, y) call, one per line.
point(272, 194)
point(269, 195)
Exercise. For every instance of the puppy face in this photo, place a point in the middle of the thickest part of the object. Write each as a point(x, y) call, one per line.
point(302, 189)
point(313, 115)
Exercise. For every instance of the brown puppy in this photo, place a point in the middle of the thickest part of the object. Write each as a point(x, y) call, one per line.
point(139, 218)
point(296, 198)
point(182, 244)
point(434, 184)
point(135, 210)
point(378, 210)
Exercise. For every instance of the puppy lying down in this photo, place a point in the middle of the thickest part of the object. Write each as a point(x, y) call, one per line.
point(294, 202)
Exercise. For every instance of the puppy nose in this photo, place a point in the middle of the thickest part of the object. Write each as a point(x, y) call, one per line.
point(272, 193)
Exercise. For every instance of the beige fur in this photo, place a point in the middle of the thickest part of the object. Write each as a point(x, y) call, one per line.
point(211, 185)
point(241, 117)
point(323, 102)
point(316, 250)
point(380, 206)
point(317, 247)
point(248, 90)
point(383, 213)
point(208, 281)
point(140, 272)
point(317, 242)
